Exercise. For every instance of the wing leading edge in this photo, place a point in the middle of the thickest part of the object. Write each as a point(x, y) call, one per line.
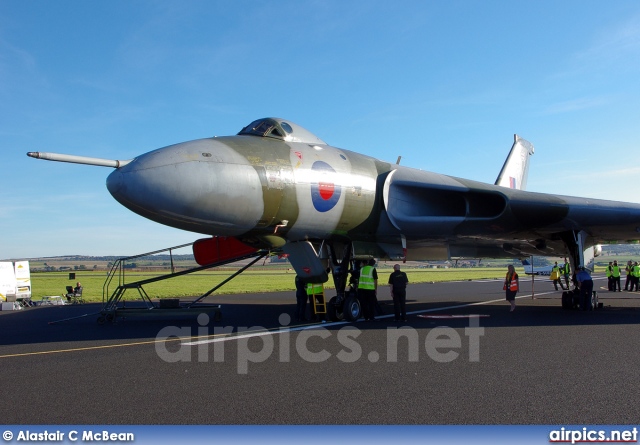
point(482, 220)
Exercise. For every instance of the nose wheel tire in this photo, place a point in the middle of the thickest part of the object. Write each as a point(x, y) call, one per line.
point(352, 309)
point(334, 311)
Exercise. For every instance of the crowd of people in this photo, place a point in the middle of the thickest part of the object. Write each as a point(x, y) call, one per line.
point(614, 272)
point(584, 282)
point(364, 281)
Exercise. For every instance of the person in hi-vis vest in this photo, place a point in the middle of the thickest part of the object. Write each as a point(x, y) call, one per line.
point(629, 270)
point(314, 289)
point(556, 276)
point(636, 276)
point(615, 277)
point(367, 287)
point(511, 285)
point(566, 271)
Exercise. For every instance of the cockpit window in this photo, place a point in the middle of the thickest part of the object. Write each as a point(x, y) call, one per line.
point(273, 127)
point(263, 128)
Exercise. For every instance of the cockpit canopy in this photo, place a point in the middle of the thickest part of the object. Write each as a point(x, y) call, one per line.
point(273, 127)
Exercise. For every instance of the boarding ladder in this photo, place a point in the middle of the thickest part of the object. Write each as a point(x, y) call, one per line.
point(318, 301)
point(117, 277)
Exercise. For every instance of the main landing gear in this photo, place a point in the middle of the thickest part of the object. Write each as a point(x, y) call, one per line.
point(571, 300)
point(345, 305)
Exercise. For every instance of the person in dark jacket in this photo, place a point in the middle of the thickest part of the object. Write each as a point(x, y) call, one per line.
point(586, 288)
point(301, 300)
point(398, 285)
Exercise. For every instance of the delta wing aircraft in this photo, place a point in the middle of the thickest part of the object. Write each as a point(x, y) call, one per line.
point(277, 186)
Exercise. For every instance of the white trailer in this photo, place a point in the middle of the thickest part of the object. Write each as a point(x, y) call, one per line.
point(15, 284)
point(23, 280)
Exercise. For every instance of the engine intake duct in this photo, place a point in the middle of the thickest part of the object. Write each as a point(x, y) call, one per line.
point(418, 201)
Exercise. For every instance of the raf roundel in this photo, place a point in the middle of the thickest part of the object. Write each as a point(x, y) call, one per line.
point(325, 194)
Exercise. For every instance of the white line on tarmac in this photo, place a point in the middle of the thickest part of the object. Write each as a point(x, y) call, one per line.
point(265, 332)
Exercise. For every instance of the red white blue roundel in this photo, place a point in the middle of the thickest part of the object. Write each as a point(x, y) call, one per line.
point(324, 193)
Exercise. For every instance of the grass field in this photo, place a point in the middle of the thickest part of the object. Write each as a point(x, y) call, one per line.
point(264, 279)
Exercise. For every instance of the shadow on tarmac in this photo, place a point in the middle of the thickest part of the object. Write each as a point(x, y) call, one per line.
point(32, 325)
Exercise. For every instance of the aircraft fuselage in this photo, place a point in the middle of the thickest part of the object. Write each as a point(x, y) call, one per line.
point(275, 183)
point(251, 187)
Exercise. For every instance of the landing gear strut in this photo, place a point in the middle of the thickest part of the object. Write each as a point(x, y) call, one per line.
point(575, 242)
point(345, 305)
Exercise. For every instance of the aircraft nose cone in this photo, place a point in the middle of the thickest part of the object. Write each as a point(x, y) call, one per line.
point(203, 186)
point(115, 183)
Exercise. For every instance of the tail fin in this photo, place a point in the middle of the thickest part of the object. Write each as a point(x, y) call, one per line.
point(515, 170)
point(528, 268)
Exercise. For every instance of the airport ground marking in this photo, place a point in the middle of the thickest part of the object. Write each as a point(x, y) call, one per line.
point(214, 338)
point(90, 348)
point(274, 331)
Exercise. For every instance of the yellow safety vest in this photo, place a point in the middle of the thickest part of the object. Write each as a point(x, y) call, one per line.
point(314, 288)
point(616, 271)
point(366, 278)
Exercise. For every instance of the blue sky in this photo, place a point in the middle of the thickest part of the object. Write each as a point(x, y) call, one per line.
point(444, 84)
